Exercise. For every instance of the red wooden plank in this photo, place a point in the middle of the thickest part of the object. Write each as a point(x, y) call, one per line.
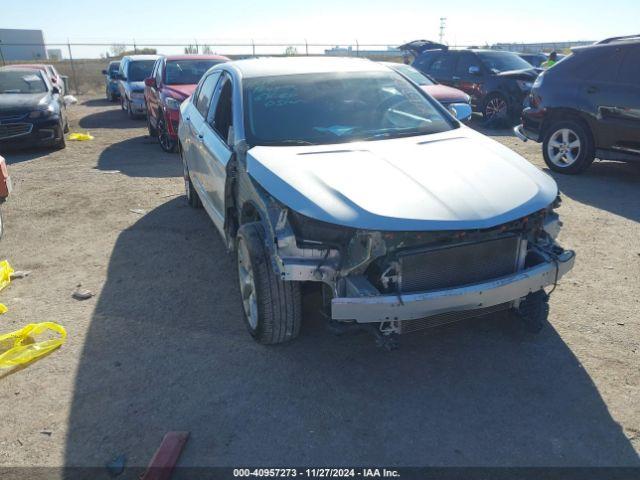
point(166, 456)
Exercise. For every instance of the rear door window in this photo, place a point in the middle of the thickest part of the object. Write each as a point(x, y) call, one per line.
point(466, 60)
point(424, 61)
point(444, 66)
point(599, 65)
point(630, 68)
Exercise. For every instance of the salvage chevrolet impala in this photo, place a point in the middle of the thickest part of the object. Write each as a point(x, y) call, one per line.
point(342, 172)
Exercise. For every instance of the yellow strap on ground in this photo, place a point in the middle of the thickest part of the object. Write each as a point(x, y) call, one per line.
point(3, 308)
point(21, 347)
point(80, 136)
point(5, 273)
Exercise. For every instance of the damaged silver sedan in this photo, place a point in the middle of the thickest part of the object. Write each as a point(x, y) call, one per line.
point(341, 172)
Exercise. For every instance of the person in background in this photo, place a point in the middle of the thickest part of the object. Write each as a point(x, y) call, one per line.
point(553, 59)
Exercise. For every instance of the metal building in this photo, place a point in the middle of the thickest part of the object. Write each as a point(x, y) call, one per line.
point(19, 44)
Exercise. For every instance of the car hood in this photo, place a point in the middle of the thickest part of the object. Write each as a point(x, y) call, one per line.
point(445, 94)
point(180, 91)
point(526, 74)
point(22, 102)
point(448, 181)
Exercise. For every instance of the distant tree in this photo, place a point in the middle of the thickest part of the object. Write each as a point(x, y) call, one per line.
point(118, 49)
point(291, 51)
point(190, 49)
point(206, 50)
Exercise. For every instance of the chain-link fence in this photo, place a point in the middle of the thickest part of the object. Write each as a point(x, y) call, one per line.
point(83, 63)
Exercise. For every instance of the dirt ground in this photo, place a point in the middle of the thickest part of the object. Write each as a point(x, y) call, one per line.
point(161, 346)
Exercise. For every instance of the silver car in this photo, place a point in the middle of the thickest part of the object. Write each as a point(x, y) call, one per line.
point(131, 74)
point(343, 173)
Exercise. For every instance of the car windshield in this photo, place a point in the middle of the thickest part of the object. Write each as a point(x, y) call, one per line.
point(187, 72)
point(337, 107)
point(503, 61)
point(21, 82)
point(139, 70)
point(413, 74)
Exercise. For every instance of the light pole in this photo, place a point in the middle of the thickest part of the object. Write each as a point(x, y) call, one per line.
point(443, 25)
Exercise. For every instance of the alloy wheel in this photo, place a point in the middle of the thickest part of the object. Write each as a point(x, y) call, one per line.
point(163, 136)
point(496, 108)
point(247, 285)
point(564, 147)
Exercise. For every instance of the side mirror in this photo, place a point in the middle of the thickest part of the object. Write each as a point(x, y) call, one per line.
point(474, 70)
point(461, 111)
point(150, 82)
point(104, 72)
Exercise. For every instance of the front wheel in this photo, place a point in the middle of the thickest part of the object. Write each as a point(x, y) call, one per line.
point(272, 307)
point(193, 200)
point(130, 110)
point(568, 147)
point(166, 142)
point(496, 109)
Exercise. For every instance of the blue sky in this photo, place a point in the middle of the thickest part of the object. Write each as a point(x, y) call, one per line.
point(329, 21)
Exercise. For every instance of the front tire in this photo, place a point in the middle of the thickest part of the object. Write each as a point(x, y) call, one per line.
point(130, 111)
point(164, 139)
point(496, 109)
point(568, 147)
point(193, 200)
point(272, 307)
point(153, 132)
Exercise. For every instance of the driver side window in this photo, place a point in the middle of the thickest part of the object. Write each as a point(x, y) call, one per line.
point(220, 113)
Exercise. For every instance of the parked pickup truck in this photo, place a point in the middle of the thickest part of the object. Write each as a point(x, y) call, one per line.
point(344, 173)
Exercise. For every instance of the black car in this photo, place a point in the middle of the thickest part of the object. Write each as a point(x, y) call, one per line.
point(32, 111)
point(535, 59)
point(497, 81)
point(587, 106)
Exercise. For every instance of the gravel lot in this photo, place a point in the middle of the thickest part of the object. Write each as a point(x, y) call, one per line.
point(162, 345)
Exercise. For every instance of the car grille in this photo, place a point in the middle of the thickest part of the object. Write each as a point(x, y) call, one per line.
point(12, 117)
point(10, 130)
point(449, 317)
point(458, 265)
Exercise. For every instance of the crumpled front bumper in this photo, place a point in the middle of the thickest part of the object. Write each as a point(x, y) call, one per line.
point(382, 308)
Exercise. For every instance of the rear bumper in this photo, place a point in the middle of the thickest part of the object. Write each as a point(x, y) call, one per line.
point(414, 306)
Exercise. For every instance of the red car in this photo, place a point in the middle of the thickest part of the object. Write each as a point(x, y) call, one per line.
point(449, 97)
point(49, 70)
point(173, 79)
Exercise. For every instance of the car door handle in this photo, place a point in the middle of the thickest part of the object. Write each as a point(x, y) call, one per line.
point(455, 79)
point(592, 89)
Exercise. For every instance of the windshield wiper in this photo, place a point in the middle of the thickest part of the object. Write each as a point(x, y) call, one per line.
point(393, 134)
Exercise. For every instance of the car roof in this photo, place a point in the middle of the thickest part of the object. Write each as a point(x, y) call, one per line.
point(271, 66)
point(113, 62)
point(196, 57)
point(134, 58)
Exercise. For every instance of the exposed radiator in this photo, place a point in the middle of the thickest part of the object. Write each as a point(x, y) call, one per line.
point(449, 317)
point(458, 265)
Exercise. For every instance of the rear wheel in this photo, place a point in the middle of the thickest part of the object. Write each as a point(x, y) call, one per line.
point(568, 147)
point(272, 307)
